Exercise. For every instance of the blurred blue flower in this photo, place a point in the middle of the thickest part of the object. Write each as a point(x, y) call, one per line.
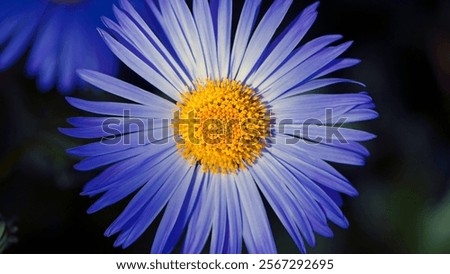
point(62, 36)
point(246, 121)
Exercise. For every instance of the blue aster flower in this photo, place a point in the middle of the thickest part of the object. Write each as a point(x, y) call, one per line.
point(239, 121)
point(62, 35)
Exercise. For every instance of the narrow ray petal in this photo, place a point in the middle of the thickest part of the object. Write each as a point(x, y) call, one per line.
point(222, 14)
point(177, 213)
point(201, 221)
point(284, 44)
point(262, 35)
point(243, 33)
point(256, 230)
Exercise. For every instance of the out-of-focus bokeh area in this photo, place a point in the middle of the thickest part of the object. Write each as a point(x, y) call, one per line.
point(404, 201)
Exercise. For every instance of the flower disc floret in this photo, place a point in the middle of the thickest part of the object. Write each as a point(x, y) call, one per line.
point(222, 125)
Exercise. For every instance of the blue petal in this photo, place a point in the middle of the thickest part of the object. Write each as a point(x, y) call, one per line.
point(220, 222)
point(303, 210)
point(48, 26)
point(47, 72)
point(322, 101)
point(118, 143)
point(202, 15)
point(326, 134)
point(177, 213)
point(117, 31)
point(115, 130)
point(262, 36)
point(114, 175)
point(201, 220)
point(356, 115)
point(334, 195)
point(315, 84)
point(7, 27)
point(281, 201)
point(128, 168)
point(234, 214)
point(140, 67)
point(126, 90)
point(45, 46)
point(283, 45)
point(345, 153)
point(119, 189)
point(88, 132)
point(157, 38)
point(180, 27)
point(149, 202)
point(93, 122)
point(324, 109)
point(336, 65)
point(155, 16)
point(68, 57)
point(94, 162)
point(19, 42)
point(152, 54)
point(118, 109)
point(222, 14)
point(316, 169)
point(297, 57)
point(256, 230)
point(304, 70)
point(226, 236)
point(330, 207)
point(244, 29)
point(302, 195)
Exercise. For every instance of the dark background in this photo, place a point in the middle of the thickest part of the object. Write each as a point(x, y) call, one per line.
point(404, 202)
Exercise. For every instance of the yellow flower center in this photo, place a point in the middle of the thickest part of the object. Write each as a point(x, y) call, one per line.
point(221, 125)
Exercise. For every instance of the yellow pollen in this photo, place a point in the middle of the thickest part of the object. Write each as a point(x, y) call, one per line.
point(222, 125)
